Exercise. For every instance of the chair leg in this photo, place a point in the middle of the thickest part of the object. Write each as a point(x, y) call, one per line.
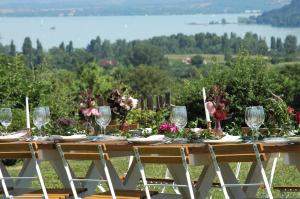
point(142, 172)
point(263, 173)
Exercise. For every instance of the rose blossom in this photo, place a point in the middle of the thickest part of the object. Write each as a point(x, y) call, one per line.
point(290, 109)
point(297, 117)
point(220, 115)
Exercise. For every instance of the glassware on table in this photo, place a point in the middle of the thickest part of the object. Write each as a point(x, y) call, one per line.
point(48, 115)
point(39, 118)
point(5, 117)
point(254, 118)
point(179, 116)
point(104, 117)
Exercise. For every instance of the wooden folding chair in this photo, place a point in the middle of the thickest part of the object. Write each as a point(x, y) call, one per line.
point(94, 152)
point(163, 155)
point(25, 150)
point(239, 153)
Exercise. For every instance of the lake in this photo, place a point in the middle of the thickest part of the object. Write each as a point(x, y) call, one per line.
point(53, 30)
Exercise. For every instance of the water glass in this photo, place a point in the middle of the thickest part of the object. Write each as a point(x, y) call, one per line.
point(179, 116)
point(254, 118)
point(5, 117)
point(104, 117)
point(48, 116)
point(39, 118)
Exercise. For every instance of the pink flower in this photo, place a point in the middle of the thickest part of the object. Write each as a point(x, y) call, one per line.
point(290, 109)
point(210, 107)
point(132, 102)
point(90, 112)
point(167, 127)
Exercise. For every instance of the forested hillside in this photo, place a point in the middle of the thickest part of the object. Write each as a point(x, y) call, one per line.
point(288, 16)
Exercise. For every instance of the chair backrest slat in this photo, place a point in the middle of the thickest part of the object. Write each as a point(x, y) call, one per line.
point(80, 151)
point(223, 149)
point(84, 156)
point(162, 150)
point(162, 159)
point(17, 150)
point(76, 147)
point(15, 147)
point(240, 158)
point(162, 154)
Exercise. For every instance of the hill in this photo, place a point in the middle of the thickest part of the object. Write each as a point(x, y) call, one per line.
point(131, 7)
point(288, 16)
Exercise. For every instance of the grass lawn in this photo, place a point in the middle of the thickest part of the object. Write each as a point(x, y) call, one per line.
point(285, 175)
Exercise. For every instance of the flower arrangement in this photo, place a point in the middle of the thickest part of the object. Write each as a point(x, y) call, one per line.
point(217, 106)
point(217, 103)
point(168, 128)
point(88, 104)
point(87, 109)
point(121, 104)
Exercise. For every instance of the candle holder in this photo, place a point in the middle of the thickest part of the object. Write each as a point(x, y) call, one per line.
point(209, 126)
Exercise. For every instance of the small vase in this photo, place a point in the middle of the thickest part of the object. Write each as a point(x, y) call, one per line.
point(218, 129)
point(124, 126)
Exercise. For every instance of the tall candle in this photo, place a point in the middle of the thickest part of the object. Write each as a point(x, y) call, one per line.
point(27, 114)
point(205, 107)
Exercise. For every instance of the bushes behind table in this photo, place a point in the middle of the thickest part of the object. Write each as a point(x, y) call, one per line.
point(247, 80)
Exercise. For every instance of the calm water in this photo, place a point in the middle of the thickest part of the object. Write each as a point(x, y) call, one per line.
point(82, 29)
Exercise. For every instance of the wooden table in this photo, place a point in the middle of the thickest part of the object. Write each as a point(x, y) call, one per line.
point(199, 155)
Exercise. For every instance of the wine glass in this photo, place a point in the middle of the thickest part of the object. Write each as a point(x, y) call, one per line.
point(179, 116)
point(48, 116)
point(104, 117)
point(5, 117)
point(254, 118)
point(39, 118)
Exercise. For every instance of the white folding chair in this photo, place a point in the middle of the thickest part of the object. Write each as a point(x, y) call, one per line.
point(163, 155)
point(239, 153)
point(21, 151)
point(94, 152)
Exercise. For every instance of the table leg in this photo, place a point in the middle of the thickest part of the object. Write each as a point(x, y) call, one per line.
point(254, 176)
point(28, 170)
point(58, 166)
point(133, 176)
point(205, 181)
point(9, 183)
point(178, 173)
point(229, 178)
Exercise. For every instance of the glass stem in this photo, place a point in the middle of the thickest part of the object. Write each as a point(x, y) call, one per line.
point(104, 130)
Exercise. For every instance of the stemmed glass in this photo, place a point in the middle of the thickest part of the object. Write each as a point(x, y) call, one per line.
point(179, 116)
point(48, 116)
point(5, 117)
point(254, 118)
point(39, 118)
point(104, 117)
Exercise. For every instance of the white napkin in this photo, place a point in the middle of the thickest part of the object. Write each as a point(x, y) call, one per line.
point(18, 134)
point(231, 138)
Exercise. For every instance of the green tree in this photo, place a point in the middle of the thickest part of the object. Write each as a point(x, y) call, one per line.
point(145, 54)
point(290, 44)
point(62, 46)
point(273, 43)
point(279, 45)
point(70, 48)
point(148, 80)
point(12, 49)
point(197, 60)
point(27, 51)
point(39, 53)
